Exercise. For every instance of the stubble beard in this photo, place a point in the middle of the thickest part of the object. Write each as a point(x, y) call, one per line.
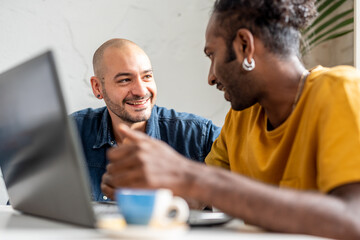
point(123, 114)
point(238, 87)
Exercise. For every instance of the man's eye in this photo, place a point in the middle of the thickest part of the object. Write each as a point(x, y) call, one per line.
point(125, 80)
point(148, 76)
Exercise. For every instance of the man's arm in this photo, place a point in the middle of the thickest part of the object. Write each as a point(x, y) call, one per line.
point(147, 163)
point(336, 215)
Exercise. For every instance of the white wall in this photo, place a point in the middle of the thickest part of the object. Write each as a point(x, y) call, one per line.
point(170, 31)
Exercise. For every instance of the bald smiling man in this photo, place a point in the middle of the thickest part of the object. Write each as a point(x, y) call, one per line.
point(124, 80)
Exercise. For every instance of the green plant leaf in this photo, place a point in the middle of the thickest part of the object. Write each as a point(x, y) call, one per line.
point(307, 49)
point(328, 23)
point(337, 27)
point(323, 4)
point(325, 11)
point(336, 35)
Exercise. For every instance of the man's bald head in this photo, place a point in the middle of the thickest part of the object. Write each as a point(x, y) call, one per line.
point(124, 79)
point(99, 53)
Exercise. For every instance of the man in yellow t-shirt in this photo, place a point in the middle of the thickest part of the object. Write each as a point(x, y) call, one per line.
point(291, 140)
point(315, 148)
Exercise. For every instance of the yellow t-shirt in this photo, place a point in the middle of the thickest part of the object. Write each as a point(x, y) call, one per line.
point(316, 148)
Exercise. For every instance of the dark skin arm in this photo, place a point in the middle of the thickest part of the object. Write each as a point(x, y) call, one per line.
point(148, 163)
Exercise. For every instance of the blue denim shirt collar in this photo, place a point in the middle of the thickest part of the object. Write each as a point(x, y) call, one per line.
point(106, 136)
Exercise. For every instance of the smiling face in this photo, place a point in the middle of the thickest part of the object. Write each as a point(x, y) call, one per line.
point(127, 84)
point(226, 71)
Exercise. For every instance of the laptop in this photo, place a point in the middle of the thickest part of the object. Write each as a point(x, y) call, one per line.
point(41, 158)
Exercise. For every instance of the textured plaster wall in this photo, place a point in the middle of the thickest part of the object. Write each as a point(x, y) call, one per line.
point(170, 31)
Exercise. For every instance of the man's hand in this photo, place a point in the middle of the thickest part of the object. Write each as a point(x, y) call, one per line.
point(142, 162)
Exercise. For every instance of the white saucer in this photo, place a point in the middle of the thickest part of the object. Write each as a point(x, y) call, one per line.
point(116, 227)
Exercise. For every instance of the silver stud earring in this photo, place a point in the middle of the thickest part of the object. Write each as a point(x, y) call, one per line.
point(248, 66)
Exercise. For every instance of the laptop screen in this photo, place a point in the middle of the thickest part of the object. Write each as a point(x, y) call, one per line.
point(30, 111)
point(40, 157)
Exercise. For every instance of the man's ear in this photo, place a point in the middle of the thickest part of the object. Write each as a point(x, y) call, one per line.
point(96, 87)
point(243, 44)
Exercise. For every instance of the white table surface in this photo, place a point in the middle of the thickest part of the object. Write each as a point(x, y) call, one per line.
point(14, 225)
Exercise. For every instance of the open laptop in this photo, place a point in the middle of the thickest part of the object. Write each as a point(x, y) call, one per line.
point(40, 153)
point(40, 156)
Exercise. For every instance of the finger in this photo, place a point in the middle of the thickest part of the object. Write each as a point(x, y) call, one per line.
point(119, 165)
point(107, 186)
point(131, 135)
point(117, 177)
point(120, 152)
point(130, 178)
point(108, 179)
point(108, 191)
point(134, 177)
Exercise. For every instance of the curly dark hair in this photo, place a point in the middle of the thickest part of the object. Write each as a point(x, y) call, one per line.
point(276, 22)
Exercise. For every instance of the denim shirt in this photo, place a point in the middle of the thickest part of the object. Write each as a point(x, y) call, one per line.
point(190, 135)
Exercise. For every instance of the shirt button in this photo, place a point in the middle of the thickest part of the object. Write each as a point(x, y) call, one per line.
point(105, 197)
point(112, 142)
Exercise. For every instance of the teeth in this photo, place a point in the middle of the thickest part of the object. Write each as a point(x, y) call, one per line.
point(138, 103)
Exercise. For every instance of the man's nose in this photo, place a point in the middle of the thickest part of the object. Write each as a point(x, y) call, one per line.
point(139, 88)
point(211, 77)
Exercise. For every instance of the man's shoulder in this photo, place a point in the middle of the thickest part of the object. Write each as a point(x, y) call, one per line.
point(341, 73)
point(89, 113)
point(89, 117)
point(341, 81)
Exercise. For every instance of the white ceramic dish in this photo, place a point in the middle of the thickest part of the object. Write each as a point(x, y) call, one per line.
point(116, 227)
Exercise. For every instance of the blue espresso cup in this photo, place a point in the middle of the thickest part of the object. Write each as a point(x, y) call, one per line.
point(143, 206)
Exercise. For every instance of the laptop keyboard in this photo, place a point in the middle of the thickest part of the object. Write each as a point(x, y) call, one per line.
point(105, 208)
